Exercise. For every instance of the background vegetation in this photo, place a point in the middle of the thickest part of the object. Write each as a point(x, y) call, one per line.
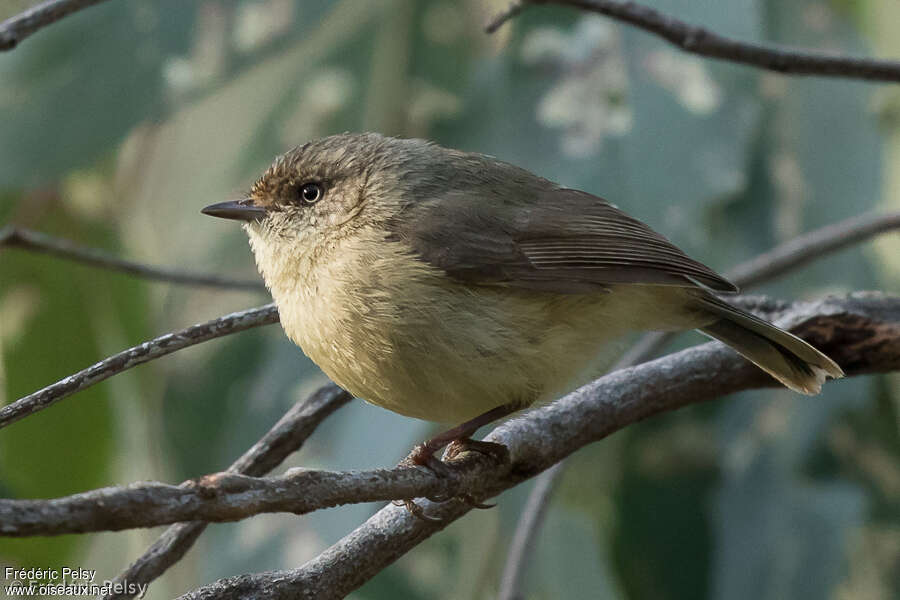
point(120, 122)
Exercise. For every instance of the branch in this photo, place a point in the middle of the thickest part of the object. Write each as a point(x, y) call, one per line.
point(861, 332)
point(765, 267)
point(219, 497)
point(529, 524)
point(16, 29)
point(179, 538)
point(136, 355)
point(697, 40)
point(811, 246)
point(285, 438)
point(856, 330)
point(507, 14)
point(16, 237)
point(780, 260)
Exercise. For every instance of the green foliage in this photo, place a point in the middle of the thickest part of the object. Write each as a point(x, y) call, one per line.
point(50, 317)
point(135, 114)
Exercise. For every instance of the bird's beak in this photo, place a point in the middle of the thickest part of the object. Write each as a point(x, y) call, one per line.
point(240, 210)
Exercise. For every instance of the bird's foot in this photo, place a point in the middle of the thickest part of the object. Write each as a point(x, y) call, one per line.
point(456, 448)
point(423, 456)
point(417, 511)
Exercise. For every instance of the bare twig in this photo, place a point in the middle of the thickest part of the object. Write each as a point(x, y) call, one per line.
point(285, 438)
point(136, 355)
point(17, 237)
point(19, 27)
point(703, 42)
point(764, 267)
point(546, 435)
point(218, 497)
point(527, 528)
point(811, 246)
point(861, 332)
point(781, 259)
point(507, 14)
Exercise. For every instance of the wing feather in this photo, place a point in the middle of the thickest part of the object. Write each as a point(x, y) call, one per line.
point(557, 239)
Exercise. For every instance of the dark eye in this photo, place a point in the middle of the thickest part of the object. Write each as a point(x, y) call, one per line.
point(311, 193)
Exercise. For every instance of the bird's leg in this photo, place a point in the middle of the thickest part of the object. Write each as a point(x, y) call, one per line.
point(459, 436)
point(459, 440)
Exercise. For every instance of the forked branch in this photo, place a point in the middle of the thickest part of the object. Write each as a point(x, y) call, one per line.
point(782, 259)
point(861, 332)
point(285, 438)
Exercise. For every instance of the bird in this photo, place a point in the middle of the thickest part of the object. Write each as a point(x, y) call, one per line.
point(457, 288)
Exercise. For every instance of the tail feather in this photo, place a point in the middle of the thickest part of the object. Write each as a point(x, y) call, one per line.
point(782, 355)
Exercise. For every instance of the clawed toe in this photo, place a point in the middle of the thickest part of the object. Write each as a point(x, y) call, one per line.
point(468, 499)
point(423, 456)
point(498, 452)
point(417, 511)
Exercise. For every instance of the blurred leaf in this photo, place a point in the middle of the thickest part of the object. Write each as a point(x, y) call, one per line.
point(571, 560)
point(188, 101)
point(59, 107)
point(51, 327)
point(662, 538)
point(777, 535)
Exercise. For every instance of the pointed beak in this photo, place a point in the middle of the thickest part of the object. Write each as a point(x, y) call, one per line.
point(240, 210)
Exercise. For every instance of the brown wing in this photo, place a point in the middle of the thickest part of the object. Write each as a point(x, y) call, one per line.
point(560, 240)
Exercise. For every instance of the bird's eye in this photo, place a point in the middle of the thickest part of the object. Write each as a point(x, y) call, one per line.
point(311, 193)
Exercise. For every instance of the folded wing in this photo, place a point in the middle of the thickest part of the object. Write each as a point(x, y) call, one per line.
point(558, 240)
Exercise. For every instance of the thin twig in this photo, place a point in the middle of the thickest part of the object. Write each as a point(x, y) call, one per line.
point(285, 438)
point(136, 355)
point(523, 541)
point(17, 28)
point(218, 497)
point(861, 332)
point(704, 42)
point(505, 15)
point(762, 268)
point(811, 246)
point(17, 237)
point(544, 436)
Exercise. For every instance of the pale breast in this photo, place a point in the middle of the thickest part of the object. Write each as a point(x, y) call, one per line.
point(401, 335)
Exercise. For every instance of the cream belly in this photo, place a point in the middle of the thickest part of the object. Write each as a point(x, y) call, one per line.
point(410, 340)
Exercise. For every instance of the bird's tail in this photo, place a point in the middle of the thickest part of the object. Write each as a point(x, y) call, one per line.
point(782, 355)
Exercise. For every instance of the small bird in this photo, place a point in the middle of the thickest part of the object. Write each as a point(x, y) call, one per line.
point(453, 287)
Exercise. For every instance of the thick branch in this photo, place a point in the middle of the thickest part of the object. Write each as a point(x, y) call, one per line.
point(861, 332)
point(16, 237)
point(16, 29)
point(698, 40)
point(136, 355)
point(179, 538)
point(765, 267)
point(285, 438)
point(854, 330)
